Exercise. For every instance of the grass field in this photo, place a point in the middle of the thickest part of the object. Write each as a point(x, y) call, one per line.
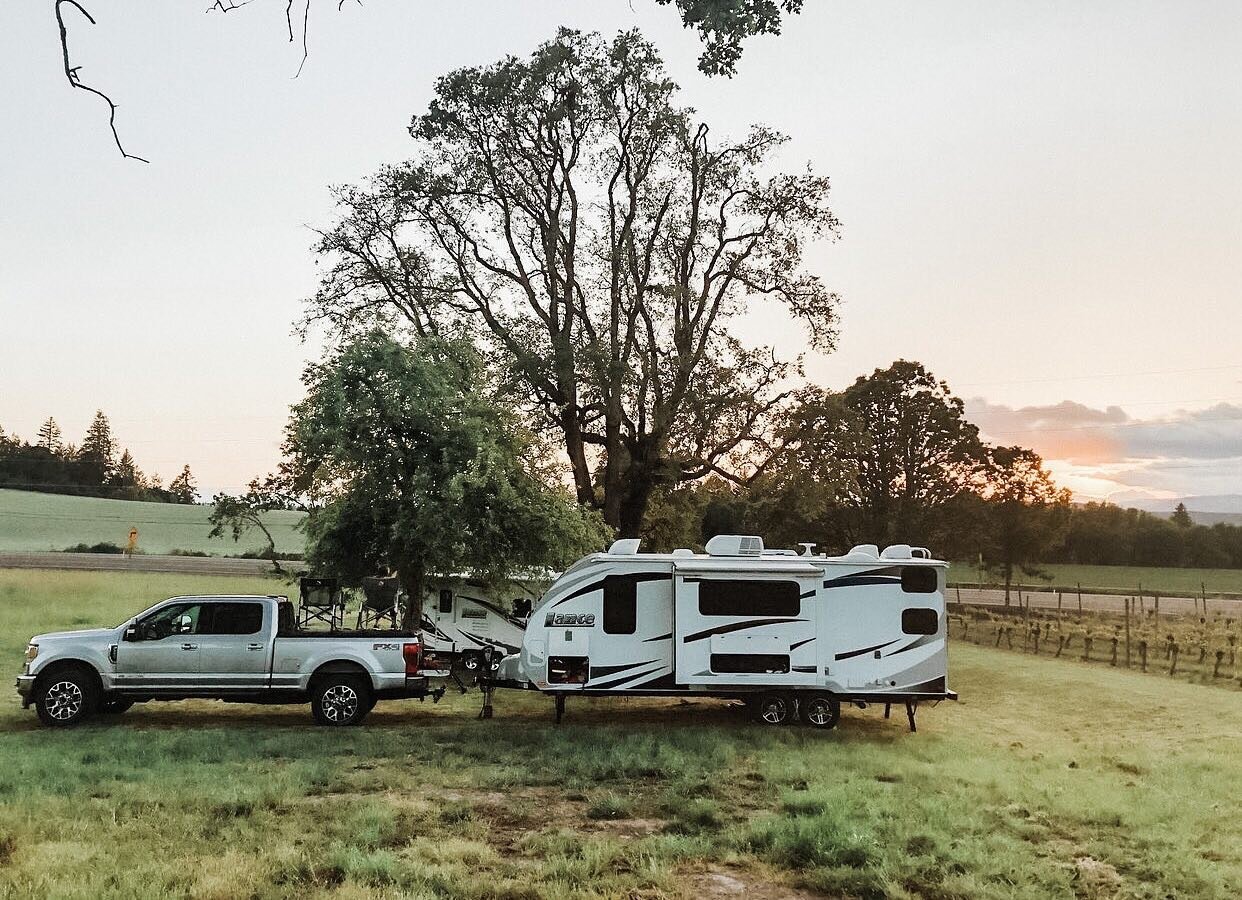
point(32, 521)
point(1049, 779)
point(1118, 579)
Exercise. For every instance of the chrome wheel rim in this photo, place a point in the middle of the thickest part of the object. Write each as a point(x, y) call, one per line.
point(471, 662)
point(339, 703)
point(63, 700)
point(773, 711)
point(818, 712)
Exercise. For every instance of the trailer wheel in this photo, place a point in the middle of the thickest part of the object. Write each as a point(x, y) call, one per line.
point(340, 699)
point(774, 709)
point(821, 711)
point(66, 696)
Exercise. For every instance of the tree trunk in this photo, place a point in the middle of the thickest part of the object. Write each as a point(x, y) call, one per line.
point(412, 576)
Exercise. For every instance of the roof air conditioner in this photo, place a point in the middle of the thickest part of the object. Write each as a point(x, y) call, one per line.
point(735, 545)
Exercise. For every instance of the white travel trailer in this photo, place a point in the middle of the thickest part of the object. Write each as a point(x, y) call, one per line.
point(460, 621)
point(793, 635)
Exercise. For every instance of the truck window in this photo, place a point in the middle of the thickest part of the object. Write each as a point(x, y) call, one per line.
point(748, 598)
point(620, 604)
point(233, 618)
point(918, 579)
point(179, 618)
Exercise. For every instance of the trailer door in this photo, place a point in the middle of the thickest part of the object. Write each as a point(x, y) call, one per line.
point(735, 626)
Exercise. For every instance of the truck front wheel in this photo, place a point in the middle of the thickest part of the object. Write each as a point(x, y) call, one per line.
point(65, 696)
point(339, 699)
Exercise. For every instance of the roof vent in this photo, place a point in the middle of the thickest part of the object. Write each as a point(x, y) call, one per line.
point(735, 545)
point(863, 551)
point(624, 547)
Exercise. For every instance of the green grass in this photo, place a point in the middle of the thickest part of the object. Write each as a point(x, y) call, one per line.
point(1049, 779)
point(32, 521)
point(1117, 579)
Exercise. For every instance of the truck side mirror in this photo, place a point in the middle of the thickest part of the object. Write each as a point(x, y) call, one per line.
point(131, 633)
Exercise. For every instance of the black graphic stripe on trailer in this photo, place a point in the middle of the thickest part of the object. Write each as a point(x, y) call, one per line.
point(917, 642)
point(736, 626)
point(794, 646)
point(488, 642)
point(628, 676)
point(849, 654)
point(598, 585)
point(884, 575)
point(604, 671)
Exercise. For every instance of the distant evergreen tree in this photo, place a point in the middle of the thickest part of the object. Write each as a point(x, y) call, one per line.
point(49, 436)
point(97, 456)
point(1181, 516)
point(183, 487)
point(127, 475)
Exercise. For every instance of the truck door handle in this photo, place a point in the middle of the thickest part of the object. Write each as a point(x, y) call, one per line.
point(254, 646)
point(189, 646)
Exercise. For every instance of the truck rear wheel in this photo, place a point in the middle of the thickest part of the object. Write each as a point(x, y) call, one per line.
point(341, 699)
point(66, 696)
point(820, 710)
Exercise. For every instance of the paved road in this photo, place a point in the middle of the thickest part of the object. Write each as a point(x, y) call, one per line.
point(1174, 606)
point(115, 562)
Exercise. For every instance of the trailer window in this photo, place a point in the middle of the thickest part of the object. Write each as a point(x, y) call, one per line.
point(748, 598)
point(620, 604)
point(446, 601)
point(755, 663)
point(920, 621)
point(918, 579)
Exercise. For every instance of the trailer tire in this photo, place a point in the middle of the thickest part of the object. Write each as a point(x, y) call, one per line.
point(773, 708)
point(820, 711)
point(340, 699)
point(66, 695)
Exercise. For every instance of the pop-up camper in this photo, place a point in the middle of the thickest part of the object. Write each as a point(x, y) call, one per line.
point(459, 620)
point(793, 635)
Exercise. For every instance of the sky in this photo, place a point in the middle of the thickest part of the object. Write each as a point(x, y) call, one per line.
point(1040, 202)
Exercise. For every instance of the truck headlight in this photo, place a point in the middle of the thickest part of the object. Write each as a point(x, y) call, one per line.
point(32, 650)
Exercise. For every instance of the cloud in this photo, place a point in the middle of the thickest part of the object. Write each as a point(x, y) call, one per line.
point(1089, 450)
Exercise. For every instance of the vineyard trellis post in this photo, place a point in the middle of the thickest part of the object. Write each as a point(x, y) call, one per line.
point(1127, 632)
point(1080, 602)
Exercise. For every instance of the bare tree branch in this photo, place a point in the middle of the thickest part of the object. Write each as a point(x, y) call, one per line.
point(75, 80)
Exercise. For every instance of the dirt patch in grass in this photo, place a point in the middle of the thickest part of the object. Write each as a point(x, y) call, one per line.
point(719, 882)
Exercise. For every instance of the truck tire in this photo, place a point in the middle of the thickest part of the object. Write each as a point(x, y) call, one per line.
point(774, 708)
point(114, 707)
point(820, 710)
point(340, 699)
point(66, 696)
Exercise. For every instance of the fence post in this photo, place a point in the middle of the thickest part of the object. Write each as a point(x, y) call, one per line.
point(1127, 632)
point(1086, 647)
point(1113, 661)
point(1156, 614)
point(1060, 643)
point(1173, 664)
point(1143, 653)
point(1203, 594)
point(1220, 656)
point(1080, 602)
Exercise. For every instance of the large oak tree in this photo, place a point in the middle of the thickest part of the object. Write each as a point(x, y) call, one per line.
point(567, 213)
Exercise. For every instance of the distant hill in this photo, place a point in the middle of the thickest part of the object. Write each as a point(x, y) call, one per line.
point(1204, 510)
point(34, 521)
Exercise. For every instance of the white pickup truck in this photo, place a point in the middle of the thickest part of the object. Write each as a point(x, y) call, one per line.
point(244, 649)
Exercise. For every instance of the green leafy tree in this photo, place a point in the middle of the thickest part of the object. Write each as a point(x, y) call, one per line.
point(96, 458)
point(919, 458)
point(416, 466)
point(1181, 516)
point(591, 234)
point(1027, 513)
point(724, 24)
point(184, 488)
point(239, 515)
